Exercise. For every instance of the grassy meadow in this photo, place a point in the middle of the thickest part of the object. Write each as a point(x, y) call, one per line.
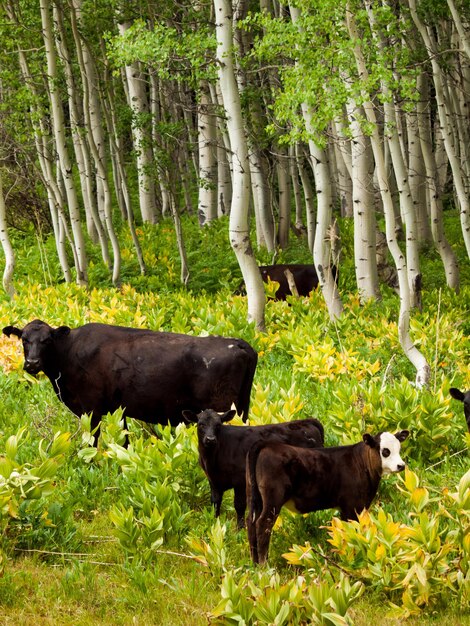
point(120, 536)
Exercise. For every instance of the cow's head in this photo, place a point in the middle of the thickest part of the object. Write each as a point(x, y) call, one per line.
point(462, 396)
point(38, 340)
point(209, 423)
point(387, 447)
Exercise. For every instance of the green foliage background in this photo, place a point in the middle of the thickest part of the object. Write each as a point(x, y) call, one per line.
point(128, 536)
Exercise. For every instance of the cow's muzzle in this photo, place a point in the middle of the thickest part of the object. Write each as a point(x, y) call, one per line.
point(32, 366)
point(210, 442)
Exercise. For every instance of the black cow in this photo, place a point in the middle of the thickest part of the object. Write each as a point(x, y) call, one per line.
point(345, 477)
point(223, 449)
point(462, 396)
point(304, 276)
point(154, 376)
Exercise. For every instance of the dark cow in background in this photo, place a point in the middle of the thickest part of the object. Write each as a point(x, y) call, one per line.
point(462, 396)
point(153, 376)
point(223, 448)
point(344, 477)
point(304, 276)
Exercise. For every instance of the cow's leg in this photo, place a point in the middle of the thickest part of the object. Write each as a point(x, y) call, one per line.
point(264, 527)
point(216, 499)
point(251, 531)
point(239, 501)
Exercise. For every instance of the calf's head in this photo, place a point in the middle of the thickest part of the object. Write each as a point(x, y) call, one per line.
point(387, 447)
point(462, 396)
point(38, 339)
point(209, 423)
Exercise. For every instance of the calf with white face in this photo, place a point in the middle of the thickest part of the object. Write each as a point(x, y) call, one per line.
point(344, 477)
point(464, 397)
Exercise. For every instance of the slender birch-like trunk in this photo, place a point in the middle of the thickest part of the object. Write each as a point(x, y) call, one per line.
point(294, 176)
point(365, 258)
point(446, 253)
point(6, 245)
point(284, 197)
point(138, 102)
point(117, 151)
point(417, 176)
point(81, 147)
point(41, 136)
point(57, 117)
point(239, 225)
point(321, 246)
point(423, 371)
point(207, 133)
point(224, 158)
point(443, 109)
point(309, 195)
point(392, 124)
point(462, 29)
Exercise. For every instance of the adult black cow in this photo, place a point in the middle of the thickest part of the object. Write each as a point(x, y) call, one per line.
point(223, 449)
point(304, 276)
point(344, 477)
point(464, 397)
point(153, 376)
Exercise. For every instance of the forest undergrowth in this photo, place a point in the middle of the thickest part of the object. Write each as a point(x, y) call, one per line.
point(127, 536)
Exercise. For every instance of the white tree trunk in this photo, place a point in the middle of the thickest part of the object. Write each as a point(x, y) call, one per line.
point(239, 226)
point(394, 136)
point(81, 148)
point(284, 197)
point(462, 28)
point(138, 102)
point(58, 124)
point(416, 176)
point(7, 247)
point(423, 371)
point(365, 258)
point(446, 253)
point(207, 131)
point(343, 166)
point(442, 108)
point(321, 246)
point(224, 158)
point(45, 163)
point(309, 196)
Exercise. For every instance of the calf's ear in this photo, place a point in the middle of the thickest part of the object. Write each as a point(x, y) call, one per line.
point(189, 416)
point(454, 392)
point(402, 435)
point(12, 330)
point(226, 417)
point(369, 440)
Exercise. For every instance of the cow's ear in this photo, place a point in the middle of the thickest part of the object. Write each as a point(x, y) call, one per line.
point(454, 392)
point(189, 416)
point(12, 330)
point(402, 435)
point(226, 417)
point(369, 440)
point(61, 332)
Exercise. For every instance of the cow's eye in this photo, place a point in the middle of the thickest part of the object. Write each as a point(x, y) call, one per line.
point(385, 452)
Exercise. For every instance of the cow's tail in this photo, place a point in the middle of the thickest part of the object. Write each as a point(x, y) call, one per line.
point(247, 383)
point(255, 502)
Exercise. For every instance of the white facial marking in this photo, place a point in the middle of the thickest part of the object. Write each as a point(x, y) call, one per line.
point(207, 362)
point(390, 454)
